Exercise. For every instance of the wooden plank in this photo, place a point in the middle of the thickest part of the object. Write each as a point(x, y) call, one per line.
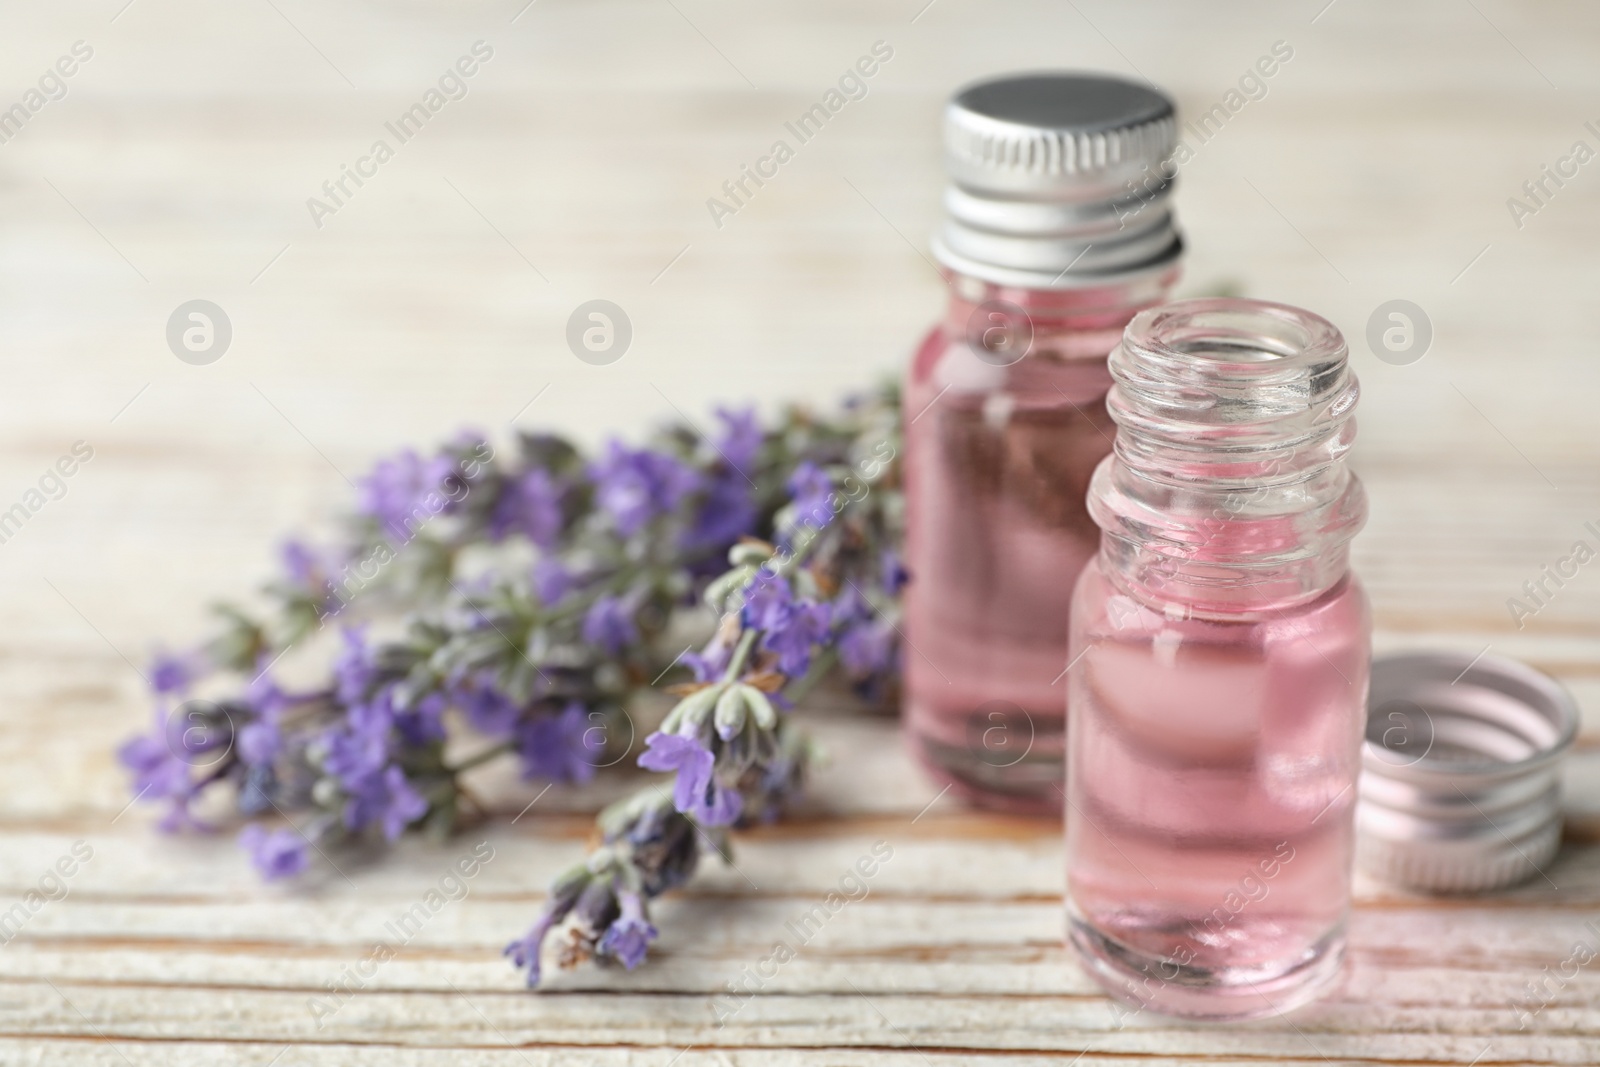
point(1401, 1028)
point(92, 1051)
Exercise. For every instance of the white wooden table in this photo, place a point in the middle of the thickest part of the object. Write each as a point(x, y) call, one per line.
point(178, 166)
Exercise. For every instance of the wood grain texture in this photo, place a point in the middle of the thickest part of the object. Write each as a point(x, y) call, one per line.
point(1377, 166)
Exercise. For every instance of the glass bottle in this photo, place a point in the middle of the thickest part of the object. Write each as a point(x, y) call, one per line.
point(1219, 698)
point(1057, 233)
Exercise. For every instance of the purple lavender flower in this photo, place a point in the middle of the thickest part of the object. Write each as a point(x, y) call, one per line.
point(275, 853)
point(487, 709)
point(726, 514)
point(665, 848)
point(696, 791)
point(265, 697)
point(789, 627)
point(353, 671)
point(359, 748)
point(710, 664)
point(259, 743)
point(420, 724)
point(609, 624)
point(524, 951)
point(386, 799)
point(768, 602)
point(851, 606)
point(596, 909)
point(813, 494)
point(403, 493)
point(301, 563)
point(171, 673)
point(739, 441)
point(635, 485)
point(552, 580)
point(158, 774)
point(258, 789)
point(563, 747)
point(805, 627)
point(867, 648)
point(894, 572)
point(628, 938)
point(529, 505)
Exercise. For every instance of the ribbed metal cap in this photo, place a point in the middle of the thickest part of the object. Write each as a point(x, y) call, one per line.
point(1058, 180)
point(1460, 785)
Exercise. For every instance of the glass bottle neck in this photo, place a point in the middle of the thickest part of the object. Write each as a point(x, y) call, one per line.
point(1077, 323)
point(1227, 492)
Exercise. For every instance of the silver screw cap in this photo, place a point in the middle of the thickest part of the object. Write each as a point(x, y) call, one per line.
point(1058, 180)
point(1460, 785)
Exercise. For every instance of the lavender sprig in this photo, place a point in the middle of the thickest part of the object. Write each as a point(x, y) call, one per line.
point(825, 591)
point(537, 661)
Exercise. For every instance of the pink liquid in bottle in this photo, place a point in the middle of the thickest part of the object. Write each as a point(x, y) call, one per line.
point(1057, 232)
point(1218, 694)
point(998, 462)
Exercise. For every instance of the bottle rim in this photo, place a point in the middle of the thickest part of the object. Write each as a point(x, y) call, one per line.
point(1253, 342)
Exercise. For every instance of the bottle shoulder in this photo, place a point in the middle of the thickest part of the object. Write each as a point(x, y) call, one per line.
point(1065, 369)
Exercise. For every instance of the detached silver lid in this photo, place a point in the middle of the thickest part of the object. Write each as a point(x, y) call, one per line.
point(1460, 785)
point(1058, 180)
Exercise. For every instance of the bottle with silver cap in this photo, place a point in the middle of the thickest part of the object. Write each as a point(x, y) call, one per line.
point(1057, 233)
point(1218, 704)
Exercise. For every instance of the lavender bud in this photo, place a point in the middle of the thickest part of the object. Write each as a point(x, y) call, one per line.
point(747, 553)
point(761, 709)
point(733, 580)
point(564, 893)
point(730, 712)
point(255, 795)
point(737, 752)
point(596, 908)
point(628, 815)
point(694, 711)
point(677, 858)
